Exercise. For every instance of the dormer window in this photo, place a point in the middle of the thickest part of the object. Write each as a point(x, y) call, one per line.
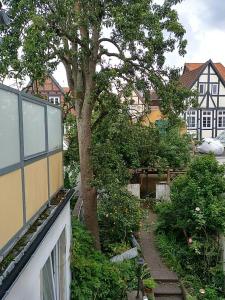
point(202, 88)
point(214, 89)
point(54, 100)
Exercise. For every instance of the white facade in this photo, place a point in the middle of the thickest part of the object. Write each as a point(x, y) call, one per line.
point(208, 120)
point(30, 284)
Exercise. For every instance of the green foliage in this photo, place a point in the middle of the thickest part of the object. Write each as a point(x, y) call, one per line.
point(46, 33)
point(197, 197)
point(149, 283)
point(93, 276)
point(190, 225)
point(119, 215)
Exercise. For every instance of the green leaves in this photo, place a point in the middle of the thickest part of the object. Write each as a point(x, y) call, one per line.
point(192, 223)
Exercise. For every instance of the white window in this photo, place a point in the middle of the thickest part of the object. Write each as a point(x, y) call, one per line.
point(206, 119)
point(221, 119)
point(33, 128)
point(9, 129)
point(202, 88)
point(214, 89)
point(192, 119)
point(54, 128)
point(54, 99)
point(53, 274)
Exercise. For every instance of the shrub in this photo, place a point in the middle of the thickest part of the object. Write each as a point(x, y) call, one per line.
point(189, 227)
point(93, 275)
point(119, 214)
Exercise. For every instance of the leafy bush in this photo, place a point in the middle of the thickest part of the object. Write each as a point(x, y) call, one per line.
point(119, 215)
point(93, 275)
point(190, 225)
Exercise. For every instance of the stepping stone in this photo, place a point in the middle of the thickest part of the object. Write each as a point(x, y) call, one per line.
point(169, 298)
point(167, 288)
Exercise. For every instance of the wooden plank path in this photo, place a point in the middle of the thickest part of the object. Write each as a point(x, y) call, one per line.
point(168, 286)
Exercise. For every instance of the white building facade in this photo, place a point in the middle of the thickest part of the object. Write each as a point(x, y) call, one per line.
point(208, 119)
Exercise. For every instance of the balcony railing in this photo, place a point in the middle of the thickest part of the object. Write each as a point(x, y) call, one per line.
point(31, 161)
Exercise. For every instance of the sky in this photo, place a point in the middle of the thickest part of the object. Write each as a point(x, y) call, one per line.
point(204, 21)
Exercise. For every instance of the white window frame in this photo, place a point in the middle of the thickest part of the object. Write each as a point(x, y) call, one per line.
point(221, 114)
point(191, 114)
point(54, 99)
point(217, 88)
point(204, 88)
point(208, 114)
point(57, 270)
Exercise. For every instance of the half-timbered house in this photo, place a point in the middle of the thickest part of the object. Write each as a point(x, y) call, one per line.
point(208, 119)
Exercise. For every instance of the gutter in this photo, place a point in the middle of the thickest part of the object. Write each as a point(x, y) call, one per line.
point(11, 277)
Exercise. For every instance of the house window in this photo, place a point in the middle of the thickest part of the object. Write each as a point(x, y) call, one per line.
point(221, 119)
point(54, 99)
point(214, 89)
point(53, 272)
point(206, 119)
point(202, 88)
point(192, 119)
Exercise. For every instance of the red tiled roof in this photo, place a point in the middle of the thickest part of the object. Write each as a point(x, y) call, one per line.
point(191, 73)
point(193, 70)
point(221, 69)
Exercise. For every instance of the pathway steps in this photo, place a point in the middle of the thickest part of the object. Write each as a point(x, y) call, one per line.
point(168, 286)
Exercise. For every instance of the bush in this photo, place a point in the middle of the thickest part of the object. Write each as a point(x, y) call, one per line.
point(93, 275)
point(189, 227)
point(119, 215)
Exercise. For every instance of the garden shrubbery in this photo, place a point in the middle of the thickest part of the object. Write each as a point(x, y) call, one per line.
point(190, 226)
point(119, 214)
point(93, 275)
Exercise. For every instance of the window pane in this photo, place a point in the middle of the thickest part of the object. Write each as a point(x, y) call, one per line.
point(201, 88)
point(33, 128)
point(54, 128)
point(9, 129)
point(47, 281)
point(215, 89)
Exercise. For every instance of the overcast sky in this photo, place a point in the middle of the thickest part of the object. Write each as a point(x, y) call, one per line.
point(204, 21)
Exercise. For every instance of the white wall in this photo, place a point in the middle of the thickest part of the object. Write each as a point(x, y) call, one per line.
point(162, 191)
point(134, 189)
point(27, 285)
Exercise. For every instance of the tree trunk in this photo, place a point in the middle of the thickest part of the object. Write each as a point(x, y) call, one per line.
point(88, 192)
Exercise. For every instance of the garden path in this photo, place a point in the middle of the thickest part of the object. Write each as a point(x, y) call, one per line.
point(168, 286)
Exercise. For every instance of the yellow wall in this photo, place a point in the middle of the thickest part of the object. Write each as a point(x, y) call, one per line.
point(56, 172)
point(153, 116)
point(11, 203)
point(36, 186)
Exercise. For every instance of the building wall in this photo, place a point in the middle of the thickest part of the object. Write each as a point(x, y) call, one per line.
point(153, 116)
point(208, 102)
point(11, 206)
point(49, 88)
point(28, 284)
point(31, 171)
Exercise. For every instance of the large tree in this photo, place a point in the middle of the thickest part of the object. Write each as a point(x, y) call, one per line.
point(105, 46)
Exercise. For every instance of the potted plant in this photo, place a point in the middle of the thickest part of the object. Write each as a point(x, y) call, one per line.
point(149, 284)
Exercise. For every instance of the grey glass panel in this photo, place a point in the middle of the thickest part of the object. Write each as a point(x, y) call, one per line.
point(33, 128)
point(9, 129)
point(54, 128)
